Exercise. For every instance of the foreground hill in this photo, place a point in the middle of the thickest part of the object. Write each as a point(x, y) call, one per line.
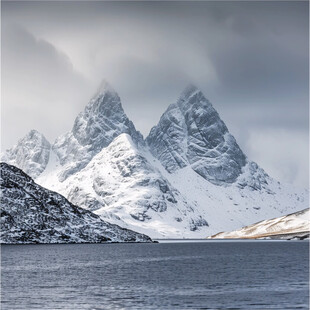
point(33, 214)
point(295, 225)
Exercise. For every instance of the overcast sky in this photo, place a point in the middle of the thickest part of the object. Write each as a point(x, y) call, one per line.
point(249, 58)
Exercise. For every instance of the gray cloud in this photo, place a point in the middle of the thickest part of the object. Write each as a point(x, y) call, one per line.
point(249, 58)
point(279, 142)
point(37, 83)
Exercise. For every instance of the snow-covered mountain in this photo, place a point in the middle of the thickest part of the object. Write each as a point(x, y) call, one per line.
point(123, 185)
point(33, 214)
point(191, 133)
point(102, 120)
point(31, 154)
point(295, 225)
point(189, 178)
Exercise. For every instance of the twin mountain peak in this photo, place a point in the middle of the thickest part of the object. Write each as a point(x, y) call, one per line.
point(190, 132)
point(188, 178)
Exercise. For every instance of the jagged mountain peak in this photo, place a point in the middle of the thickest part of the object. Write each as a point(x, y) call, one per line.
point(192, 133)
point(102, 120)
point(30, 141)
point(104, 103)
point(102, 117)
point(33, 133)
point(193, 98)
point(31, 153)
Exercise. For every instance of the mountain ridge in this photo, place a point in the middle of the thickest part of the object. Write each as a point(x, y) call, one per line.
point(188, 178)
point(102, 120)
point(193, 133)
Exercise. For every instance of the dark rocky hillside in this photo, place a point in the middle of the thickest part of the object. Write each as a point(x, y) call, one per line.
point(33, 214)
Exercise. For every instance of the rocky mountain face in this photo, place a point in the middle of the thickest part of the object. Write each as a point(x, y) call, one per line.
point(292, 226)
point(31, 154)
point(191, 133)
point(123, 186)
point(33, 214)
point(102, 120)
point(189, 178)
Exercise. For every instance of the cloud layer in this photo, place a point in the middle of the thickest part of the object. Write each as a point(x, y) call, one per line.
point(249, 58)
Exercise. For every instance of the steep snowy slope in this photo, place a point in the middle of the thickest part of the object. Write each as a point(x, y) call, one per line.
point(127, 186)
point(288, 226)
point(33, 214)
point(234, 206)
point(31, 154)
point(122, 185)
point(102, 120)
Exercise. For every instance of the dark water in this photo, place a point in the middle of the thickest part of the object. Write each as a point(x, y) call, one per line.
point(211, 275)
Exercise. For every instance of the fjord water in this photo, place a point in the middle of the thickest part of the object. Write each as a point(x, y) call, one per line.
point(205, 275)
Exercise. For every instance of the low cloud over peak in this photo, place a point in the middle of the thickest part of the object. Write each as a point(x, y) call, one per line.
point(249, 58)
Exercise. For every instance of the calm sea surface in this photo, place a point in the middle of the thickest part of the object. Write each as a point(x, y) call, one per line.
point(205, 275)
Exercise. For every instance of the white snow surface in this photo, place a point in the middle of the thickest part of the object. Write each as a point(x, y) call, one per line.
point(122, 184)
point(295, 223)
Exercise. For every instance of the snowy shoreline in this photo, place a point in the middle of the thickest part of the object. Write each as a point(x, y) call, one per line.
point(221, 240)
